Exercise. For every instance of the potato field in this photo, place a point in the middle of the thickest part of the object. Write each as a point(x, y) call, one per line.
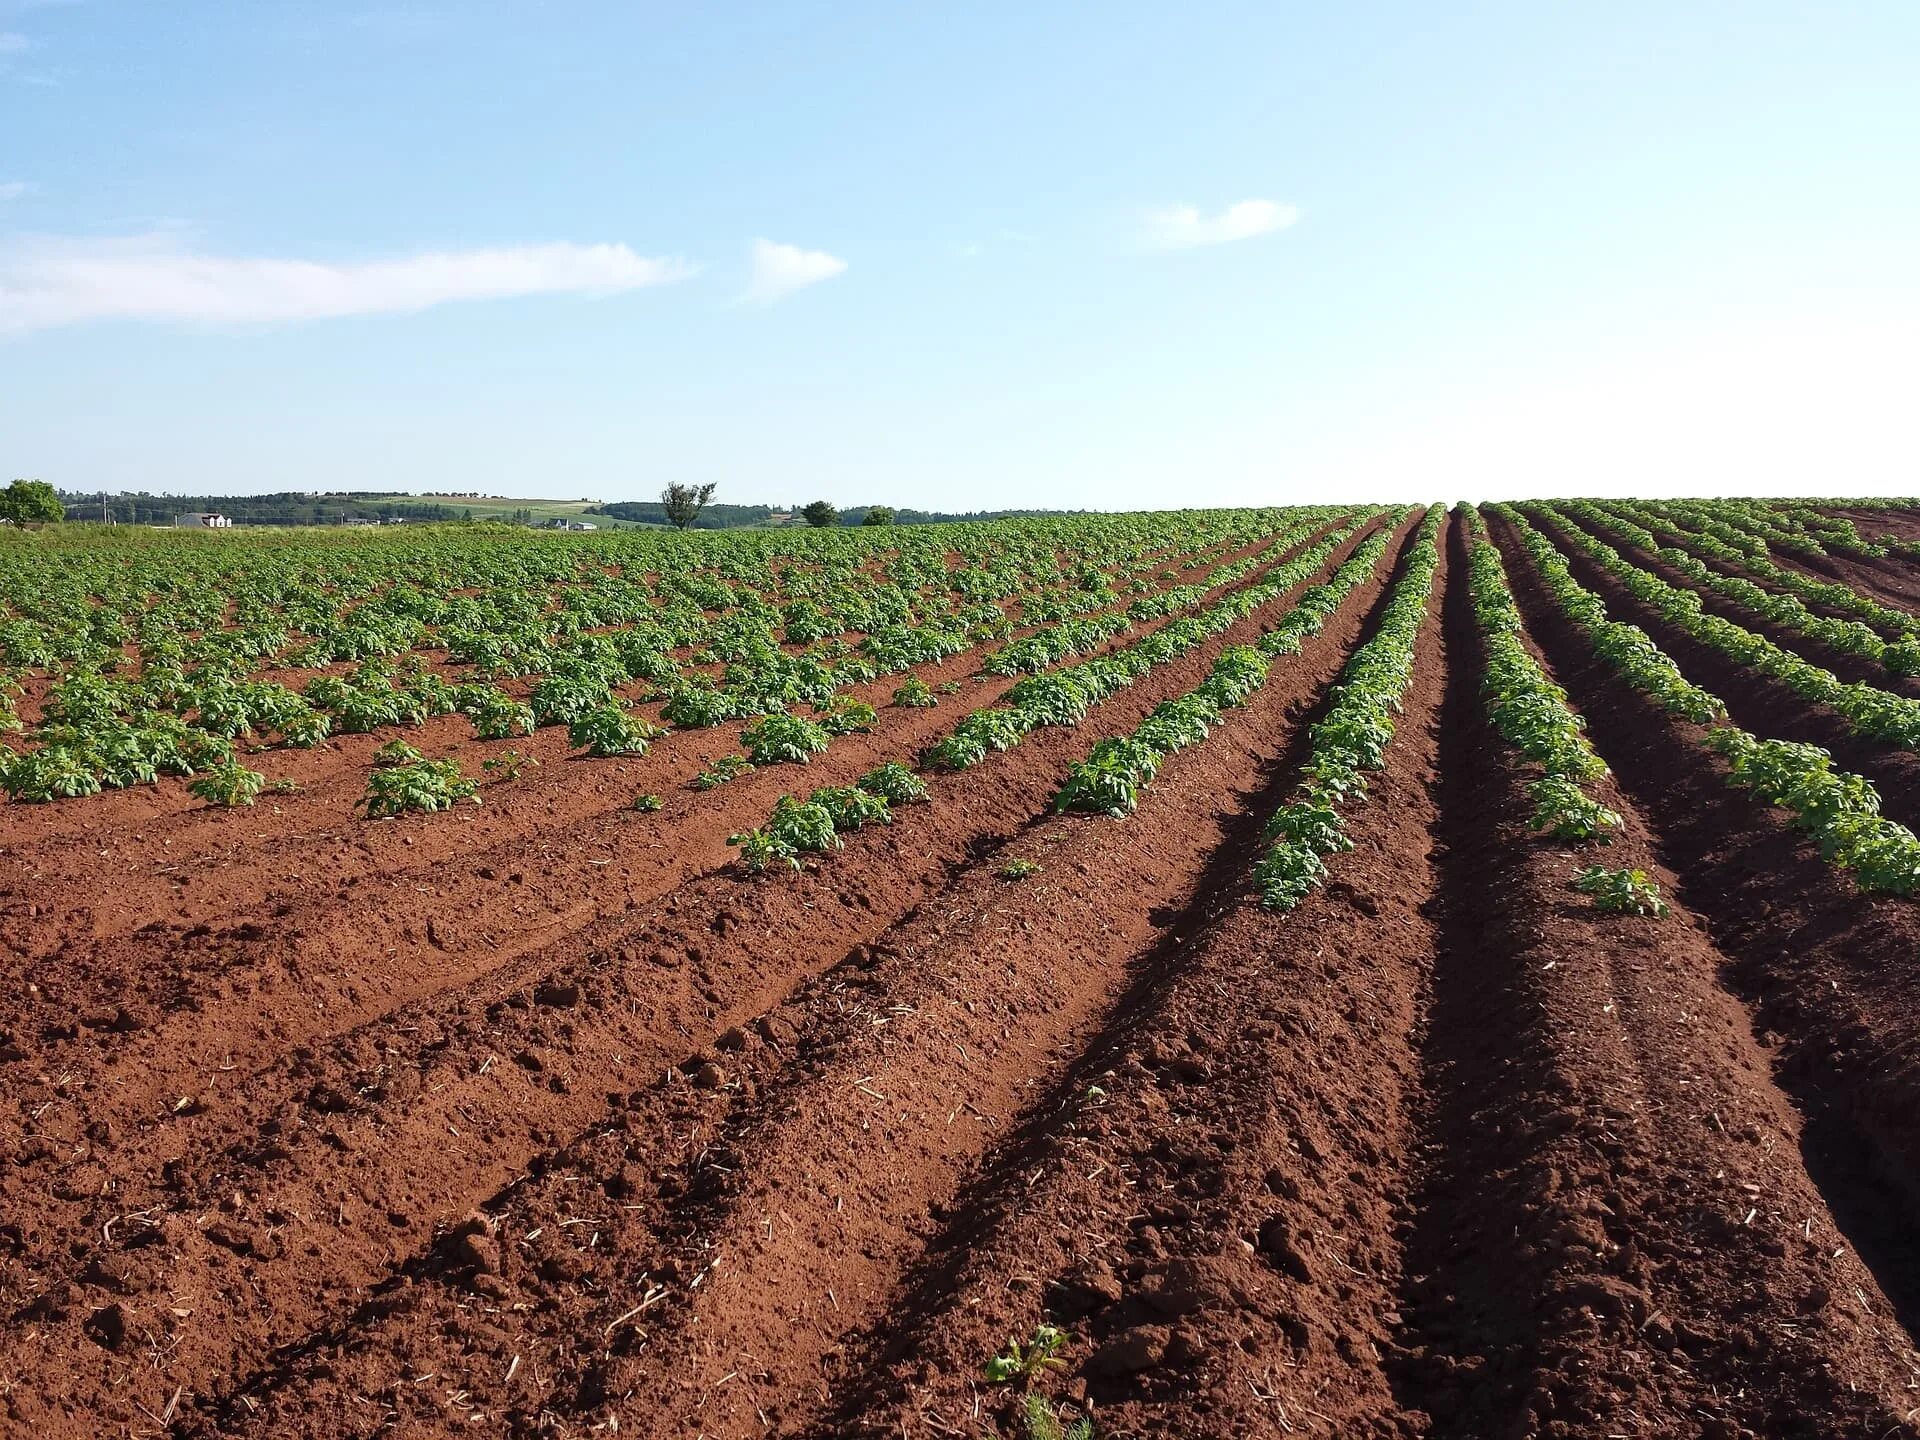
point(1339, 971)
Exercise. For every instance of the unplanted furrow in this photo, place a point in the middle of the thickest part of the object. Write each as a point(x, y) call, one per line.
point(1827, 973)
point(1759, 703)
point(768, 1207)
point(142, 1019)
point(1613, 1232)
point(276, 863)
point(263, 1211)
point(1203, 1203)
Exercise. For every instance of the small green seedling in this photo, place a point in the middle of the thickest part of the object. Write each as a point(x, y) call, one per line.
point(1042, 1423)
point(229, 783)
point(1018, 869)
point(508, 764)
point(647, 804)
point(396, 752)
point(914, 693)
point(1031, 1360)
point(1620, 892)
point(727, 767)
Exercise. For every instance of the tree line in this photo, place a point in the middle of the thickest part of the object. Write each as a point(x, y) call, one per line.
point(682, 506)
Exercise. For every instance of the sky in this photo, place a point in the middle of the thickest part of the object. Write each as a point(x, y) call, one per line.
point(1116, 255)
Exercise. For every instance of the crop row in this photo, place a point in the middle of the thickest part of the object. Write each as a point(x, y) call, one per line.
point(1866, 709)
point(1838, 810)
point(1064, 696)
point(1532, 713)
point(1353, 737)
point(104, 731)
point(1792, 528)
point(1110, 779)
point(1789, 612)
point(1709, 541)
point(503, 599)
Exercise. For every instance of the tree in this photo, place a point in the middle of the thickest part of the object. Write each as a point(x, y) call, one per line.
point(683, 503)
point(878, 515)
point(31, 502)
point(820, 514)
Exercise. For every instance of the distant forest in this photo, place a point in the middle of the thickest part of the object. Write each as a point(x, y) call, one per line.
point(292, 508)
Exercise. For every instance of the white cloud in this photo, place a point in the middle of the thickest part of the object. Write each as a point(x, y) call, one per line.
point(14, 189)
point(14, 43)
point(1183, 227)
point(779, 270)
point(52, 281)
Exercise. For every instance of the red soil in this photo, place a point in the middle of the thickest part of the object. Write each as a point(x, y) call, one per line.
point(559, 1120)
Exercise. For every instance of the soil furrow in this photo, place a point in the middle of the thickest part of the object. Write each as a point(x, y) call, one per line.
point(1827, 973)
point(327, 1172)
point(883, 1080)
point(205, 864)
point(1612, 1234)
point(345, 958)
point(1203, 1203)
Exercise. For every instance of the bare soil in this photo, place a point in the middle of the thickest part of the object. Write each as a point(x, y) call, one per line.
point(547, 1120)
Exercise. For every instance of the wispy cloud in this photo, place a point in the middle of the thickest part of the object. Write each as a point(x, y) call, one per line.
point(779, 270)
point(47, 282)
point(1183, 227)
point(12, 42)
point(14, 189)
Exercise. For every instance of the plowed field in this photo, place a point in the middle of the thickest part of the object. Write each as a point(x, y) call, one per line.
point(1051, 1102)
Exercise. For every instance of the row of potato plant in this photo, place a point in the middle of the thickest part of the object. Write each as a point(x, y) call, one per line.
point(777, 738)
point(168, 710)
point(1838, 810)
point(1063, 697)
point(1898, 625)
point(1110, 779)
point(1353, 737)
point(1789, 612)
point(801, 827)
point(793, 739)
point(1529, 710)
point(1866, 709)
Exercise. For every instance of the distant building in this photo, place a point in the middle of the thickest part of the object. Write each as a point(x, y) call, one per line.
point(202, 520)
point(359, 520)
point(581, 525)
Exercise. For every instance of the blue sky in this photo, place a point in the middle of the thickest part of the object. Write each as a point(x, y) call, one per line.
point(1113, 255)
